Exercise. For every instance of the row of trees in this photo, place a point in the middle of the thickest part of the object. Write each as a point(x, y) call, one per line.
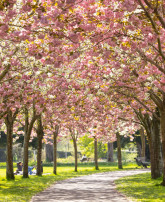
point(71, 67)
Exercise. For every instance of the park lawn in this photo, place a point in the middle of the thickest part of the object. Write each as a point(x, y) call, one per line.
point(23, 189)
point(141, 188)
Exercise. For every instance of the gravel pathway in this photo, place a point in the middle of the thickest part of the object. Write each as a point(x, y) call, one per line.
point(98, 187)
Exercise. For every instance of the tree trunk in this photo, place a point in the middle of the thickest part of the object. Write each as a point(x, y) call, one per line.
point(9, 156)
point(162, 123)
point(74, 136)
point(55, 154)
point(75, 152)
point(139, 149)
point(55, 135)
point(27, 132)
point(39, 157)
point(110, 152)
point(40, 134)
point(142, 136)
point(119, 157)
point(25, 156)
point(49, 153)
point(156, 145)
point(96, 154)
point(153, 134)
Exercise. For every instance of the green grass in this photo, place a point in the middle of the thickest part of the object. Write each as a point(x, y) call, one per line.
point(23, 189)
point(142, 188)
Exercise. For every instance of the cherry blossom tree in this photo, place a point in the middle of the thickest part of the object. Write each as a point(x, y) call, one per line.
point(128, 36)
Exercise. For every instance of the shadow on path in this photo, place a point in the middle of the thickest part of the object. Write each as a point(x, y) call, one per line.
point(98, 187)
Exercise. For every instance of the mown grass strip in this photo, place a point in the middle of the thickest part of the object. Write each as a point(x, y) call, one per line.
point(142, 188)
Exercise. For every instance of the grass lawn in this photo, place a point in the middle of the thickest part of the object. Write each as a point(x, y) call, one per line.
point(23, 189)
point(141, 188)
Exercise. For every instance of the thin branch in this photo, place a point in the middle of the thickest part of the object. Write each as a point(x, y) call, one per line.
point(15, 113)
point(2, 114)
point(151, 61)
point(156, 99)
point(17, 120)
point(160, 48)
point(161, 20)
point(148, 4)
point(32, 13)
point(139, 116)
point(124, 119)
point(5, 71)
point(148, 15)
point(145, 106)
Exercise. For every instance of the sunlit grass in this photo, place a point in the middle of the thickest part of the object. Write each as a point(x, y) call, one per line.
point(142, 188)
point(23, 189)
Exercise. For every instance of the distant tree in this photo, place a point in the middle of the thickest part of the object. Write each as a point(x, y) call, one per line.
point(87, 147)
point(110, 152)
point(119, 157)
point(96, 154)
point(74, 135)
point(40, 134)
point(3, 139)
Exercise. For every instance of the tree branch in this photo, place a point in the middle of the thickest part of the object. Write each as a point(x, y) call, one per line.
point(149, 17)
point(5, 71)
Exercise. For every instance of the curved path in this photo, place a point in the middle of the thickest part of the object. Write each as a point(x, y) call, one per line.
point(98, 187)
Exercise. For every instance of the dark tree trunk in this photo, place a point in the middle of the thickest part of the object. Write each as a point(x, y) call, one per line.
point(110, 152)
point(156, 145)
point(74, 136)
point(96, 154)
point(55, 135)
point(39, 157)
point(55, 154)
point(142, 136)
point(119, 157)
point(139, 149)
point(27, 132)
point(40, 134)
point(49, 153)
point(75, 153)
point(162, 123)
point(9, 156)
point(9, 121)
point(153, 133)
point(25, 156)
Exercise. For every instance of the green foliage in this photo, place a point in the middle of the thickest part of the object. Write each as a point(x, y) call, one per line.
point(142, 188)
point(102, 150)
point(86, 145)
point(130, 146)
point(128, 156)
point(69, 159)
point(124, 141)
